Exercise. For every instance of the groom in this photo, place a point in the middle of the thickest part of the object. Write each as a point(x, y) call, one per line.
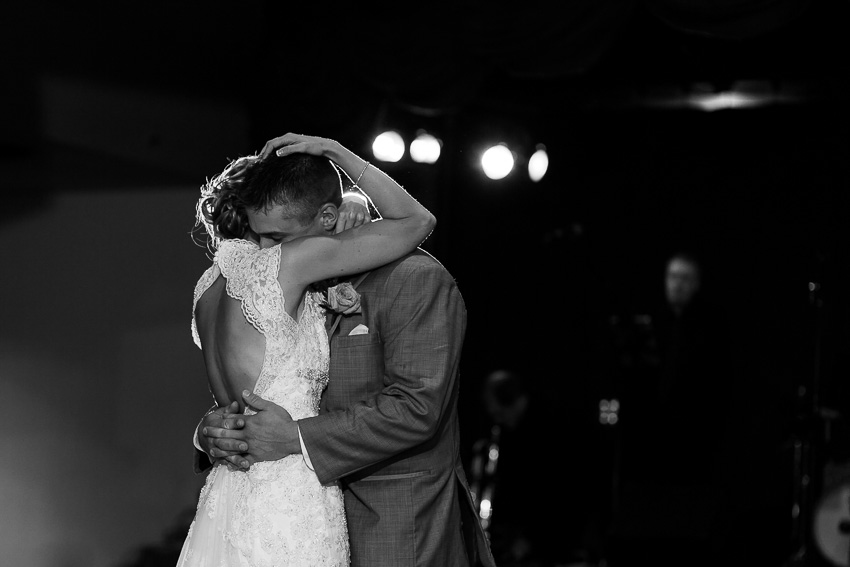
point(388, 429)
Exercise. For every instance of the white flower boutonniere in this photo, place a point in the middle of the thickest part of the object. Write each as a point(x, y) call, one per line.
point(342, 298)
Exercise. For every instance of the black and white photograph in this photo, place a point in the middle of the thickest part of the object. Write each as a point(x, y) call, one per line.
point(452, 284)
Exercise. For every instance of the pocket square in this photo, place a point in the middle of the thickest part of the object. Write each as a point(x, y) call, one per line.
point(359, 330)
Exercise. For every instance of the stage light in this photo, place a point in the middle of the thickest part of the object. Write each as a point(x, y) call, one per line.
point(388, 146)
point(497, 161)
point(741, 94)
point(723, 100)
point(608, 411)
point(425, 148)
point(538, 163)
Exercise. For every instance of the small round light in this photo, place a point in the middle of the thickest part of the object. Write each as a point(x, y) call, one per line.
point(425, 148)
point(538, 164)
point(497, 161)
point(388, 146)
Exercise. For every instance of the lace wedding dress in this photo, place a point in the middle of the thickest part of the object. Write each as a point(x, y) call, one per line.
point(277, 513)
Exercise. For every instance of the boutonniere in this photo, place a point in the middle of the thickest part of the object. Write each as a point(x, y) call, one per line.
point(342, 298)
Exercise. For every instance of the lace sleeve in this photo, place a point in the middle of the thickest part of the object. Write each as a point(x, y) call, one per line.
point(251, 275)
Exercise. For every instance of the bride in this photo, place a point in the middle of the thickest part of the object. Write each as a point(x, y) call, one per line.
point(273, 221)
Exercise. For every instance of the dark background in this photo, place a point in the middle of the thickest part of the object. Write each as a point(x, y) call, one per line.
point(141, 102)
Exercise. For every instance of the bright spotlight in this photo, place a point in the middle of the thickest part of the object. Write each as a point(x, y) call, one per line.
point(538, 163)
point(425, 148)
point(724, 100)
point(497, 162)
point(388, 146)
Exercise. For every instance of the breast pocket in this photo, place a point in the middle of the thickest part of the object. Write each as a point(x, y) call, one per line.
point(356, 369)
point(354, 341)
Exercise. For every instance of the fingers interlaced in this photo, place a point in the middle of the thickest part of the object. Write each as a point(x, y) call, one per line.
point(230, 446)
point(232, 422)
point(240, 461)
point(222, 433)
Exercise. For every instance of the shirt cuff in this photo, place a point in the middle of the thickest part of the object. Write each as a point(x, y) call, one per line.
point(304, 449)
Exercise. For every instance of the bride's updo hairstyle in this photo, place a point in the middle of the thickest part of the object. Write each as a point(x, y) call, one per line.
point(221, 209)
point(301, 183)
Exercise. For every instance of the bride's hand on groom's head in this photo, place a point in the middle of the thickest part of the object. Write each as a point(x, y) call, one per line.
point(291, 143)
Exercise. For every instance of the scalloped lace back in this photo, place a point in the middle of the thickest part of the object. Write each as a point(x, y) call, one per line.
point(276, 513)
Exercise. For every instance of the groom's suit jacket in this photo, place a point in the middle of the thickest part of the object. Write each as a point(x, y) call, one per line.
point(388, 429)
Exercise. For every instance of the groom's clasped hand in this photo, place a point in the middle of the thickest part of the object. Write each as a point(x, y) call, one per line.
point(230, 432)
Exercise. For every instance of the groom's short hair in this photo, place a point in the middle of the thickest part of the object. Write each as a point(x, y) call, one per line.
point(302, 183)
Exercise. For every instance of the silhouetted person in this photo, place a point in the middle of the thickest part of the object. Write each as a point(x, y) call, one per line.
point(674, 417)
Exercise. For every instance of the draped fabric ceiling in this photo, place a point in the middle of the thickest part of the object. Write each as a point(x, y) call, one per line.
point(438, 59)
point(320, 60)
point(541, 39)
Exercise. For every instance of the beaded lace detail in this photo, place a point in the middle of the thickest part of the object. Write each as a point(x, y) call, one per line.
point(276, 513)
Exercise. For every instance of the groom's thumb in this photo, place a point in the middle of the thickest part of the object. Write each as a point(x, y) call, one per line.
point(255, 401)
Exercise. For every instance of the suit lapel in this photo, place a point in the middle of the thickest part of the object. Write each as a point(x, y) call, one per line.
point(334, 325)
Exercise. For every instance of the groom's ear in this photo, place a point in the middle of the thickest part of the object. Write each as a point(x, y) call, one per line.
point(328, 215)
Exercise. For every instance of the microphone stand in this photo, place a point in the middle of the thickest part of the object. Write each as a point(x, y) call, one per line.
point(806, 460)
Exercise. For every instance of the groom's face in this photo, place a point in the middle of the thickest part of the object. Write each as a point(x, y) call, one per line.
point(276, 225)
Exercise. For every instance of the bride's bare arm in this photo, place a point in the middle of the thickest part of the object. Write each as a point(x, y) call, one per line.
point(404, 222)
